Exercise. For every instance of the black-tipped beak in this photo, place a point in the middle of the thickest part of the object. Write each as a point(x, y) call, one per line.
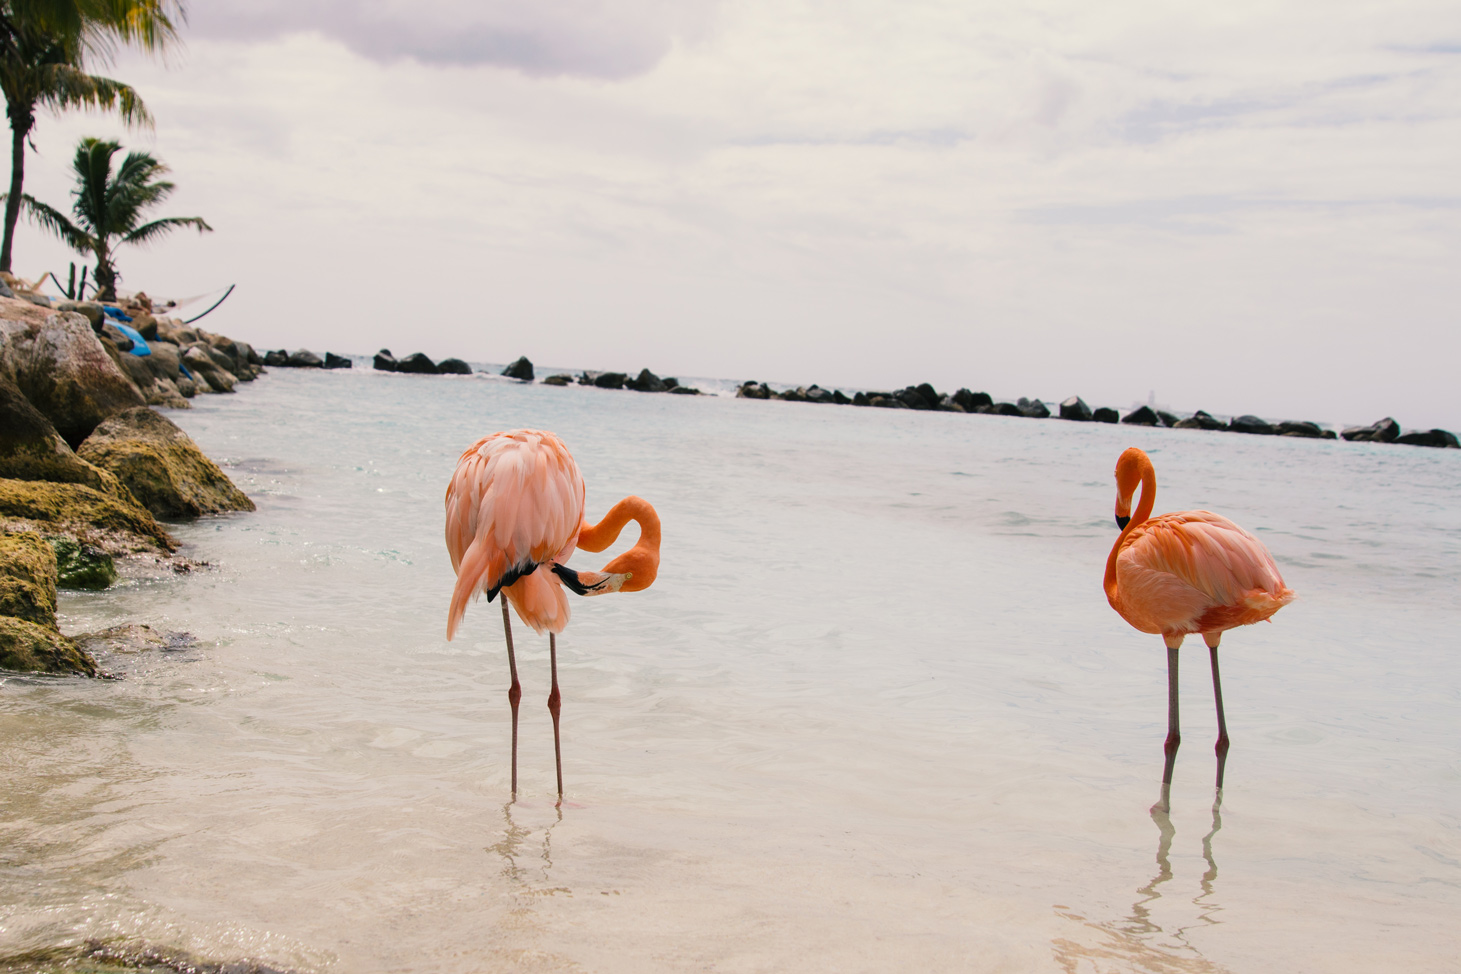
point(1122, 522)
point(570, 578)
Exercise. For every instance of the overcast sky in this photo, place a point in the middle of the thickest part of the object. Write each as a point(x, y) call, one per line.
point(1243, 207)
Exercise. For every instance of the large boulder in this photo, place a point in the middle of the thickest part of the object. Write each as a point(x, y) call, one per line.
point(155, 391)
point(278, 358)
point(30, 648)
point(384, 361)
point(60, 365)
point(210, 376)
point(815, 393)
point(753, 390)
point(162, 466)
point(1294, 427)
point(453, 366)
point(417, 364)
point(914, 397)
point(521, 369)
point(90, 310)
point(1142, 416)
point(333, 361)
point(304, 359)
point(1251, 424)
point(610, 380)
point(115, 526)
point(31, 449)
point(1437, 437)
point(1002, 409)
point(1105, 414)
point(679, 390)
point(28, 578)
point(82, 566)
point(1075, 408)
point(645, 381)
point(1381, 431)
point(1033, 408)
point(558, 380)
point(1200, 420)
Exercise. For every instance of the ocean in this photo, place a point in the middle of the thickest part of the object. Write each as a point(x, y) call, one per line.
point(874, 715)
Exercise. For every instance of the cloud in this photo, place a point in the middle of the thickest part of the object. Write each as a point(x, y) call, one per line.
point(609, 39)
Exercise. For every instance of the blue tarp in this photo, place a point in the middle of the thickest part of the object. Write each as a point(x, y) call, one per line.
point(115, 313)
point(139, 344)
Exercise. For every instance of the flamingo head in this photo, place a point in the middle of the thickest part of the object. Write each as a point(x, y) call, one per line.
point(1129, 469)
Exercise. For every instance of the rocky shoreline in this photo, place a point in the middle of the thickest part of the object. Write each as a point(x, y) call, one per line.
point(919, 397)
point(88, 467)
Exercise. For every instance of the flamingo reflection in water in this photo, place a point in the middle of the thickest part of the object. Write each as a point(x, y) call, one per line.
point(514, 506)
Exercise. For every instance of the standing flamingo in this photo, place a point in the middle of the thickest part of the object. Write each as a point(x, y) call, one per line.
point(514, 505)
point(1188, 572)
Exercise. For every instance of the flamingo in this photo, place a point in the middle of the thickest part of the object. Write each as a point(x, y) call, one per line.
point(1186, 572)
point(514, 505)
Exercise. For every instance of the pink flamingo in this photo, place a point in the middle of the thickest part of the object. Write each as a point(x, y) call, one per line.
point(1188, 572)
point(514, 505)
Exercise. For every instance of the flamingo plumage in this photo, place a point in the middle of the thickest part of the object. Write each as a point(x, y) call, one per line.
point(1183, 573)
point(515, 505)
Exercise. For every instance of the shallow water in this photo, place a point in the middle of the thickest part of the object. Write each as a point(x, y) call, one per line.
point(874, 715)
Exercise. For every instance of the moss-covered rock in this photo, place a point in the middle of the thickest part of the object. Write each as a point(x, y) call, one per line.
point(82, 513)
point(31, 449)
point(82, 566)
point(30, 648)
point(28, 579)
point(162, 466)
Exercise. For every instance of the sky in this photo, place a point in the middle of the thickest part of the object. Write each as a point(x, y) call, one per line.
point(1243, 207)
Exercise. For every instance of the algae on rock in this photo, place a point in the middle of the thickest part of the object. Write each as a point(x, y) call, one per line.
point(82, 566)
point(28, 647)
point(28, 578)
point(162, 466)
point(31, 449)
point(82, 513)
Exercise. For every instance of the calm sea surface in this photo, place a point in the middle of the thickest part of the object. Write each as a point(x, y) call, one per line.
point(875, 715)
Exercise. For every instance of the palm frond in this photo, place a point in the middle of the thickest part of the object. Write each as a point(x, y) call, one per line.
point(63, 86)
point(157, 228)
point(55, 221)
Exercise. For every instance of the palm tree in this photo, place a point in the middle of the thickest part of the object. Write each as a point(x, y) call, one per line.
point(44, 45)
point(109, 208)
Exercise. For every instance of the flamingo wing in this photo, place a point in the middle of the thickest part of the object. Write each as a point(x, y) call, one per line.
point(1196, 571)
point(514, 502)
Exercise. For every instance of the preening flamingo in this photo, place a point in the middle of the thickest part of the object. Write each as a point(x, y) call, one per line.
point(515, 505)
point(1187, 572)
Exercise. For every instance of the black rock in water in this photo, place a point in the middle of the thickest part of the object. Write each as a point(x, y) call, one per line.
point(1168, 419)
point(384, 361)
point(1200, 420)
point(304, 359)
point(1251, 424)
point(1381, 431)
point(1437, 437)
point(521, 369)
point(453, 366)
point(1105, 414)
point(278, 358)
point(840, 398)
point(416, 363)
point(753, 390)
point(1296, 427)
point(1034, 408)
point(558, 380)
point(333, 361)
point(679, 390)
point(1142, 416)
point(972, 400)
point(647, 381)
point(1002, 409)
point(1075, 408)
point(610, 380)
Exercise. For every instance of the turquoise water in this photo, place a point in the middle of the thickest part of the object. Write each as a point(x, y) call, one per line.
point(874, 715)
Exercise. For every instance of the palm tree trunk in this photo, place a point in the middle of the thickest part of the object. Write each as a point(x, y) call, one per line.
point(20, 124)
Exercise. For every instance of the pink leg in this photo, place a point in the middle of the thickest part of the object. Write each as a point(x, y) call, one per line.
point(555, 700)
point(1174, 732)
point(514, 692)
point(1217, 693)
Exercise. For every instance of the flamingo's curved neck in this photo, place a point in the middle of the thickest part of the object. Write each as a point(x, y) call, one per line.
point(1138, 516)
point(597, 537)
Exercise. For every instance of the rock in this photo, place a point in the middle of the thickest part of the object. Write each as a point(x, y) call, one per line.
point(1075, 408)
point(304, 359)
point(82, 566)
point(558, 380)
point(1299, 428)
point(793, 395)
point(886, 401)
point(28, 578)
point(840, 398)
point(164, 361)
point(278, 358)
point(1142, 416)
point(39, 300)
point(188, 387)
point(680, 390)
point(416, 364)
point(88, 309)
point(521, 369)
point(1105, 414)
point(1002, 409)
point(753, 390)
point(453, 366)
point(587, 378)
point(1381, 431)
point(859, 399)
point(1033, 408)
point(647, 381)
point(1168, 419)
point(1436, 437)
point(123, 343)
point(1200, 420)
point(60, 366)
point(116, 527)
point(146, 326)
point(333, 361)
point(610, 380)
point(1251, 424)
point(210, 376)
point(946, 403)
point(30, 648)
point(384, 361)
point(5, 291)
point(31, 449)
point(929, 393)
point(162, 466)
point(156, 391)
point(817, 394)
point(972, 400)
point(914, 397)
point(134, 638)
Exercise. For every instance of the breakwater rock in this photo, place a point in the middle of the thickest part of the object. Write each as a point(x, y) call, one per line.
point(87, 466)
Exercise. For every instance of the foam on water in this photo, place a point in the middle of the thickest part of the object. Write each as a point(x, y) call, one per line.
point(874, 715)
